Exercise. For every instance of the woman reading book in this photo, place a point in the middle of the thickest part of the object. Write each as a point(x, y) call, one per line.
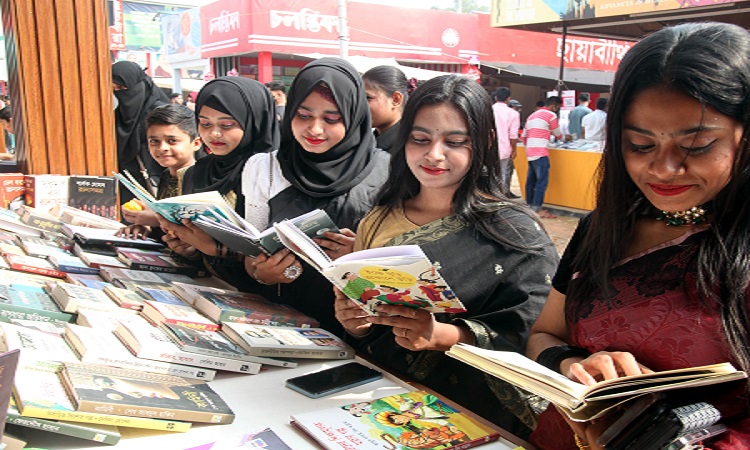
point(656, 278)
point(327, 160)
point(236, 119)
point(172, 141)
point(443, 195)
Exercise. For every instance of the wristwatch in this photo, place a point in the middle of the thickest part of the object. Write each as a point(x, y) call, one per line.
point(292, 272)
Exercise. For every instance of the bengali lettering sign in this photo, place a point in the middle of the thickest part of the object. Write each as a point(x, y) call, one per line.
point(305, 20)
point(605, 51)
point(226, 22)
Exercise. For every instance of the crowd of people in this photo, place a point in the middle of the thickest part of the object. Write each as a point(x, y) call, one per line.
point(655, 278)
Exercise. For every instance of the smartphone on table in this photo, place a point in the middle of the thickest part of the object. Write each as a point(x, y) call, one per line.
point(334, 379)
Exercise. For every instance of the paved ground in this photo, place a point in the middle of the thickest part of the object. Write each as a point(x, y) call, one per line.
point(561, 228)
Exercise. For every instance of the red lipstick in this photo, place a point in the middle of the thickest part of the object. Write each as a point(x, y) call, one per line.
point(434, 170)
point(314, 141)
point(669, 189)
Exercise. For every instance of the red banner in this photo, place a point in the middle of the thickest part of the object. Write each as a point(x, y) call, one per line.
point(116, 30)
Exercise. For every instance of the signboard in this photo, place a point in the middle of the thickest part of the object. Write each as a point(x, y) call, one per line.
point(143, 25)
point(224, 27)
point(522, 12)
point(181, 34)
point(116, 30)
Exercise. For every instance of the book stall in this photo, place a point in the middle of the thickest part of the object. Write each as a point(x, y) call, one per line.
point(114, 341)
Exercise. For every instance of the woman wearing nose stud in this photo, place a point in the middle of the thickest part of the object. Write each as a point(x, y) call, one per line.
point(443, 194)
point(327, 160)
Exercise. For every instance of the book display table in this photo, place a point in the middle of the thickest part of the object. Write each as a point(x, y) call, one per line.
point(259, 401)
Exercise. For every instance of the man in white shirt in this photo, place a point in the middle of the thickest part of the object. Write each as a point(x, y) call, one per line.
point(507, 122)
point(594, 125)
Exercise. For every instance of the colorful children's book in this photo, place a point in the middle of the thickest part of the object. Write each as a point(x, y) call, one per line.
point(398, 275)
point(99, 346)
point(148, 342)
point(214, 343)
point(581, 402)
point(287, 342)
point(135, 393)
point(250, 308)
point(40, 393)
point(405, 421)
point(243, 237)
point(106, 434)
point(175, 209)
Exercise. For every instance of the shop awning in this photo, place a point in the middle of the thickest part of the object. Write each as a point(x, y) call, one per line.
point(364, 63)
point(578, 79)
point(187, 84)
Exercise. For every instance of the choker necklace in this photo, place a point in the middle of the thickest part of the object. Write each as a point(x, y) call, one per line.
point(692, 216)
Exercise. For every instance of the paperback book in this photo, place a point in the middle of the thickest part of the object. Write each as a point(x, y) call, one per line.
point(155, 261)
point(108, 320)
point(97, 261)
point(581, 402)
point(36, 345)
point(88, 280)
point(185, 315)
point(32, 264)
point(397, 275)
point(102, 236)
point(409, 420)
point(45, 191)
point(106, 434)
point(149, 342)
point(250, 308)
point(125, 298)
point(287, 342)
point(70, 297)
point(8, 365)
point(112, 273)
point(161, 295)
point(242, 236)
point(96, 388)
point(42, 220)
point(214, 343)
point(71, 264)
point(40, 393)
point(81, 218)
point(9, 221)
point(39, 247)
point(175, 209)
point(94, 194)
point(30, 304)
point(11, 190)
point(98, 346)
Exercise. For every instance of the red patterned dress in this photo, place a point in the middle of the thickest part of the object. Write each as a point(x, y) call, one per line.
point(656, 315)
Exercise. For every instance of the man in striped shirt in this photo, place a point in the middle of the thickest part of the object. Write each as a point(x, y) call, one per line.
point(540, 125)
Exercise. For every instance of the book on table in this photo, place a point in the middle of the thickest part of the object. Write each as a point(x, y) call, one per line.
point(40, 393)
point(581, 402)
point(34, 265)
point(19, 302)
point(8, 365)
point(214, 343)
point(108, 320)
point(287, 342)
point(175, 209)
point(78, 217)
point(242, 236)
point(69, 297)
point(398, 275)
point(156, 261)
point(125, 298)
point(36, 345)
point(149, 342)
point(231, 306)
point(106, 434)
point(112, 274)
point(10, 221)
point(184, 314)
point(96, 388)
point(100, 346)
point(408, 420)
point(103, 236)
point(71, 264)
point(42, 220)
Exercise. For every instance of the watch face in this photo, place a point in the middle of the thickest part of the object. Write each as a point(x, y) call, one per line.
point(292, 272)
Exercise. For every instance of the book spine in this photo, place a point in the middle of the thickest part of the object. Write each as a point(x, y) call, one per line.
point(67, 429)
point(105, 419)
point(153, 412)
point(189, 271)
point(247, 358)
point(187, 358)
point(155, 366)
point(77, 269)
point(8, 312)
point(339, 353)
point(194, 325)
point(38, 270)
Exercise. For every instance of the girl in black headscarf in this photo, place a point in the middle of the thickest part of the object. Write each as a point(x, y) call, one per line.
point(136, 95)
point(327, 160)
point(236, 119)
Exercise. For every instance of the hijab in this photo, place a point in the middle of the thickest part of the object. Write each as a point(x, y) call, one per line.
point(253, 107)
point(134, 103)
point(347, 163)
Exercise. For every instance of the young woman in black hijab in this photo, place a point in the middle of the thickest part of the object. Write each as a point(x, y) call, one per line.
point(327, 160)
point(136, 95)
point(236, 119)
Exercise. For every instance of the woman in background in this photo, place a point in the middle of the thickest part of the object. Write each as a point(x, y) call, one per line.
point(656, 278)
point(136, 95)
point(443, 195)
point(327, 160)
point(387, 90)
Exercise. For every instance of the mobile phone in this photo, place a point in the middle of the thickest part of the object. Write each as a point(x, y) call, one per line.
point(624, 422)
point(332, 380)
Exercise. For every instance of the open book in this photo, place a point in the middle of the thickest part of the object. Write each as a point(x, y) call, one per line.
point(397, 275)
point(242, 236)
point(175, 209)
point(581, 402)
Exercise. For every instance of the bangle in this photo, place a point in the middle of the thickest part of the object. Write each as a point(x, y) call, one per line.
point(553, 356)
point(579, 442)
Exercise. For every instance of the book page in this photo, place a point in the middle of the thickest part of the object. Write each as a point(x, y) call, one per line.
point(301, 244)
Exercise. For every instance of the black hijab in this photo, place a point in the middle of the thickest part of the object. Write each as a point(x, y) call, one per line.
point(346, 164)
point(253, 107)
point(140, 97)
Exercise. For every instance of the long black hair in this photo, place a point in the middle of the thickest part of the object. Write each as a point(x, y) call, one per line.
point(478, 197)
point(388, 79)
point(711, 63)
